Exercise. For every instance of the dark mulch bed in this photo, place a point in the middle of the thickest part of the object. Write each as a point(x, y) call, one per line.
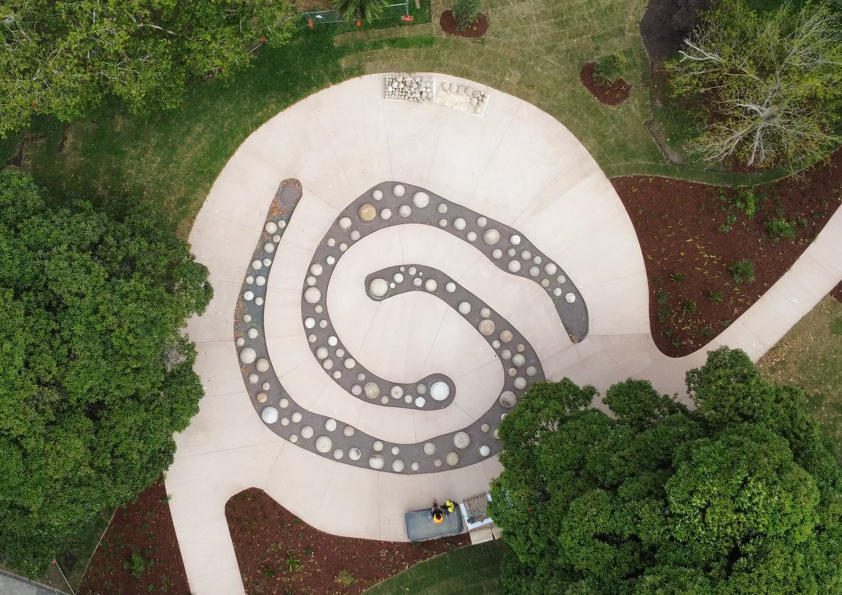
point(139, 552)
point(448, 25)
point(666, 23)
point(615, 94)
point(680, 228)
point(268, 539)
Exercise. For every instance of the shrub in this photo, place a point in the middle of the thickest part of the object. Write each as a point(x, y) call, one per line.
point(363, 10)
point(715, 296)
point(609, 69)
point(742, 271)
point(747, 201)
point(677, 277)
point(293, 563)
point(465, 12)
point(136, 565)
point(674, 339)
point(779, 228)
point(771, 82)
point(345, 578)
point(729, 221)
point(688, 307)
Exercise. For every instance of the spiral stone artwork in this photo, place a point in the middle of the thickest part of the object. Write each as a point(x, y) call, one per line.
point(385, 205)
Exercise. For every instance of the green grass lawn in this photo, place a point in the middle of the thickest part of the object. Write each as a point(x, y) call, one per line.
point(810, 357)
point(472, 570)
point(534, 49)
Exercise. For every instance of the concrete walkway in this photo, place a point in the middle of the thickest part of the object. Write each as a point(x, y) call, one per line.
point(517, 165)
point(14, 585)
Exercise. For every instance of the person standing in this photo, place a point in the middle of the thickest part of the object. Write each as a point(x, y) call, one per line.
point(438, 514)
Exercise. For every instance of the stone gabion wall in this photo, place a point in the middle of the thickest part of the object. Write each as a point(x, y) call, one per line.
point(410, 87)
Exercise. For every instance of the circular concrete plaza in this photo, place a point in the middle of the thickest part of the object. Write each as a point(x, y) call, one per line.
point(376, 315)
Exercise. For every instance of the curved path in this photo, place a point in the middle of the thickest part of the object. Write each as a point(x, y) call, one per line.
point(515, 165)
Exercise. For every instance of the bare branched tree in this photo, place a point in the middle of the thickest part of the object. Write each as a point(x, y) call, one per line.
point(771, 83)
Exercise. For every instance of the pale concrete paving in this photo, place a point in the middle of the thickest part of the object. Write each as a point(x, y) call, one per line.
point(517, 165)
point(15, 585)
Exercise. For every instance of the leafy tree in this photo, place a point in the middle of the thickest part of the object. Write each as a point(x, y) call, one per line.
point(742, 496)
point(361, 10)
point(94, 374)
point(63, 58)
point(771, 82)
point(465, 12)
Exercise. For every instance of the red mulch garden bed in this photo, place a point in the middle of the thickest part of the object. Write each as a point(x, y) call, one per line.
point(448, 25)
point(691, 233)
point(616, 94)
point(139, 552)
point(279, 553)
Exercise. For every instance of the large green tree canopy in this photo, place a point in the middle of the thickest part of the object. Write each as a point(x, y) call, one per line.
point(739, 497)
point(62, 58)
point(94, 374)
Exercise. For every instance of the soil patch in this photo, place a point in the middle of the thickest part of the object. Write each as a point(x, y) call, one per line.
point(666, 23)
point(279, 553)
point(305, 5)
point(16, 160)
point(659, 135)
point(836, 292)
point(139, 552)
point(614, 94)
point(448, 25)
point(690, 235)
